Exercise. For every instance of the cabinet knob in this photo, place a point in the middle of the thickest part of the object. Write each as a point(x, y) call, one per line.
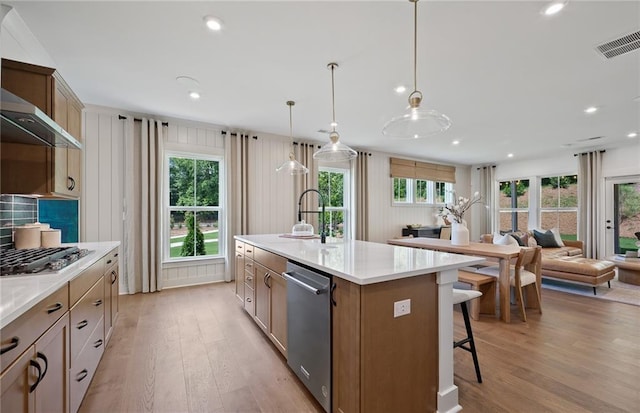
point(82, 324)
point(98, 343)
point(80, 376)
point(98, 302)
point(248, 299)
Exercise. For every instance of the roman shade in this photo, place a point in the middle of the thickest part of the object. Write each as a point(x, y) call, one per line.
point(405, 168)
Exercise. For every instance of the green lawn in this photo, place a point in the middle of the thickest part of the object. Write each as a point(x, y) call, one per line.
point(210, 247)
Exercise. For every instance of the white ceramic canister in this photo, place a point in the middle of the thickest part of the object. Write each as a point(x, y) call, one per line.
point(26, 236)
point(50, 238)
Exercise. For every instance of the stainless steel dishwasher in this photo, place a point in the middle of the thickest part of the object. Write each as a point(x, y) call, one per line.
point(309, 330)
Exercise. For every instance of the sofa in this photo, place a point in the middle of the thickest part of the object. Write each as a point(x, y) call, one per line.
point(566, 262)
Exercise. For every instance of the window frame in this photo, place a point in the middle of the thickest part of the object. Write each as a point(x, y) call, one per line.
point(167, 208)
point(346, 197)
point(431, 193)
point(510, 210)
point(558, 209)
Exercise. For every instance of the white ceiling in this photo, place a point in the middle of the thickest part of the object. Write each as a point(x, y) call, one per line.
point(511, 79)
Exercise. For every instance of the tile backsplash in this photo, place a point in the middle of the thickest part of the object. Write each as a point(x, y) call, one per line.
point(15, 210)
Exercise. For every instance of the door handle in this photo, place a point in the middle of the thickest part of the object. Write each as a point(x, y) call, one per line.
point(54, 308)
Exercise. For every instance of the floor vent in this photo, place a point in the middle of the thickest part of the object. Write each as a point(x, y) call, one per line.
point(623, 45)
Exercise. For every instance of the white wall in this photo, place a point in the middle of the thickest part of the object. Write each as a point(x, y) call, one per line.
point(385, 220)
point(102, 192)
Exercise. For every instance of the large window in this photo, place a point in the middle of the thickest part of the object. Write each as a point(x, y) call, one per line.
point(194, 207)
point(333, 183)
point(420, 191)
point(514, 205)
point(559, 204)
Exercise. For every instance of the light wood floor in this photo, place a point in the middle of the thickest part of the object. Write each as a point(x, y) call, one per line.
point(194, 350)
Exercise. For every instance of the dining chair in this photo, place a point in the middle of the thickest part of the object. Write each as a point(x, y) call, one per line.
point(461, 297)
point(523, 274)
point(445, 232)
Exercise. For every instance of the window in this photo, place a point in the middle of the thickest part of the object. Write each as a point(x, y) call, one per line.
point(420, 191)
point(193, 209)
point(514, 205)
point(559, 204)
point(333, 184)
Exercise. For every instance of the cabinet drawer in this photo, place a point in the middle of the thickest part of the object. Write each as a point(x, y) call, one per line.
point(249, 251)
point(80, 285)
point(111, 258)
point(240, 247)
point(270, 260)
point(23, 332)
point(249, 300)
point(81, 372)
point(85, 315)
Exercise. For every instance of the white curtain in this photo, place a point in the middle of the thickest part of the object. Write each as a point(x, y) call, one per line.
point(589, 192)
point(237, 147)
point(304, 155)
point(361, 183)
point(143, 205)
point(487, 176)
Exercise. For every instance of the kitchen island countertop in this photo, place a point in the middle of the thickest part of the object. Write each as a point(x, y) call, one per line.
point(360, 262)
point(21, 292)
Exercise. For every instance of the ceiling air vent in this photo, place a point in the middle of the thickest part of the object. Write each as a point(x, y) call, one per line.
point(620, 46)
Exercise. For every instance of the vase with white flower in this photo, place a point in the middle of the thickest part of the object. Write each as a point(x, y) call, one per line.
point(455, 213)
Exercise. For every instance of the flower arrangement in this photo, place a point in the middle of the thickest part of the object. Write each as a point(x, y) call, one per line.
point(455, 211)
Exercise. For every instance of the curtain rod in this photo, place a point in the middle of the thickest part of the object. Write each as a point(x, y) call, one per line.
point(484, 167)
point(120, 117)
point(584, 153)
point(224, 132)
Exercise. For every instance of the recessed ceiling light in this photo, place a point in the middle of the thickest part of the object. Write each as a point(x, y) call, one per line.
point(213, 23)
point(591, 109)
point(194, 95)
point(455, 143)
point(554, 8)
point(632, 135)
point(510, 155)
point(400, 89)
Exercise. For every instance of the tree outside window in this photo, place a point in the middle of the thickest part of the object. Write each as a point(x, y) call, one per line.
point(332, 184)
point(194, 207)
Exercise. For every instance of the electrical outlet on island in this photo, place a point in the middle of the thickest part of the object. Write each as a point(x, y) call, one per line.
point(401, 308)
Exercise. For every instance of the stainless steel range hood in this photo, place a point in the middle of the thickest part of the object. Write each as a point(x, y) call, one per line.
point(23, 122)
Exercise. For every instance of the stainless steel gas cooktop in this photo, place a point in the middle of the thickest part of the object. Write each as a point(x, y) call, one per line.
point(38, 260)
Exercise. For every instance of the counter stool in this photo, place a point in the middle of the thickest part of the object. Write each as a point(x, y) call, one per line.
point(461, 297)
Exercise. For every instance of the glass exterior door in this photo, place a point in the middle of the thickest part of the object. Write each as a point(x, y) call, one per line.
point(623, 215)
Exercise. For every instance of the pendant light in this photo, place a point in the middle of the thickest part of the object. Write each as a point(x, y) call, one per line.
point(291, 166)
point(416, 122)
point(334, 151)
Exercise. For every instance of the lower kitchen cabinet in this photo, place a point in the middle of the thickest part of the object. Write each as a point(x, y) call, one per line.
point(270, 296)
point(38, 381)
point(239, 271)
point(111, 293)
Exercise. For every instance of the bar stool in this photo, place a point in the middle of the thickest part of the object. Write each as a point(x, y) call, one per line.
point(461, 297)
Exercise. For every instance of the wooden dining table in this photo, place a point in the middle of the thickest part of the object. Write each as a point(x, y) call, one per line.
point(503, 253)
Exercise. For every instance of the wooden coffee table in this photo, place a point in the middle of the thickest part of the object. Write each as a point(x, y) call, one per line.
point(628, 269)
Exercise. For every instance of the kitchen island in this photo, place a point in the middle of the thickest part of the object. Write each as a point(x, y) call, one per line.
point(382, 362)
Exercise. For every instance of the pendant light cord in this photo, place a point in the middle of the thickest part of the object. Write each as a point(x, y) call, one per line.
point(415, 45)
point(333, 99)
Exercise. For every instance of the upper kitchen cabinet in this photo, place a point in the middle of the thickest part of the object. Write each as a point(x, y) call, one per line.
point(30, 169)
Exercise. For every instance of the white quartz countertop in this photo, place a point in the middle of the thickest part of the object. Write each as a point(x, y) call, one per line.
point(360, 262)
point(19, 293)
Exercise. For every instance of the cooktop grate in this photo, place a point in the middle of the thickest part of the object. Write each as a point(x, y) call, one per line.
point(34, 260)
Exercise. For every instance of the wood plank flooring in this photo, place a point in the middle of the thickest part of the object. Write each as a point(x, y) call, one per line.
point(195, 350)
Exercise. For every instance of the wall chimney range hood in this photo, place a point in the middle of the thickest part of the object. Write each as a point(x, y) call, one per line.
point(23, 122)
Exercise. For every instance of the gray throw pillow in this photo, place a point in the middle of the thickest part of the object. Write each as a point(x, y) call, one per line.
point(545, 239)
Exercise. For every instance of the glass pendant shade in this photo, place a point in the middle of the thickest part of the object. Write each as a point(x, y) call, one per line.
point(334, 151)
point(291, 166)
point(416, 122)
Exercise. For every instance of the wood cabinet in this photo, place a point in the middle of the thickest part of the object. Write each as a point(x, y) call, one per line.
point(36, 380)
point(271, 296)
point(374, 350)
point(30, 169)
point(111, 293)
point(239, 271)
